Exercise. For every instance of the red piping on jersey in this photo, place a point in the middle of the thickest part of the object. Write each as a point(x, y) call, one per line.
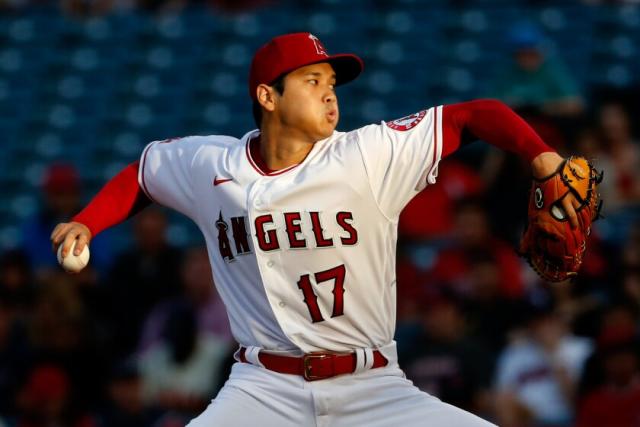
point(144, 163)
point(435, 142)
point(259, 164)
point(250, 159)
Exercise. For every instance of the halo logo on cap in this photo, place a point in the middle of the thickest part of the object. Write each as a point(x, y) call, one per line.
point(319, 48)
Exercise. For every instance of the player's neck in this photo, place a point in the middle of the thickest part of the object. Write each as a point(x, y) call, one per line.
point(280, 149)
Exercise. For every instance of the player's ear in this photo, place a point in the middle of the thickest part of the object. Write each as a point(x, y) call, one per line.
point(266, 97)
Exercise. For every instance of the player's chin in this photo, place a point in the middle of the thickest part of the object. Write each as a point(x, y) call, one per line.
point(325, 133)
point(327, 128)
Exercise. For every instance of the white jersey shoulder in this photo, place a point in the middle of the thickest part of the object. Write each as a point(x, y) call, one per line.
point(166, 168)
point(401, 156)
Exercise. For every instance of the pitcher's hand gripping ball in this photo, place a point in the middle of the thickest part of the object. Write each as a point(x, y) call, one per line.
point(552, 247)
point(74, 263)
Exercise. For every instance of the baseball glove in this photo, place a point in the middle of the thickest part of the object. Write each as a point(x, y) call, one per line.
point(550, 245)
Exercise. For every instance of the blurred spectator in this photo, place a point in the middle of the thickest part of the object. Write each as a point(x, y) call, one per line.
point(617, 154)
point(614, 247)
point(616, 323)
point(631, 249)
point(44, 400)
point(536, 376)
point(615, 399)
point(483, 271)
point(200, 293)
point(620, 159)
point(446, 362)
point(14, 356)
point(141, 277)
point(61, 332)
point(631, 287)
point(472, 236)
point(16, 281)
point(57, 317)
point(504, 174)
point(125, 406)
point(536, 79)
point(61, 191)
point(413, 278)
point(455, 181)
point(181, 372)
point(491, 315)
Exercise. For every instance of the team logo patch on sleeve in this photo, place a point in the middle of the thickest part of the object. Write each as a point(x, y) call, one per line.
point(407, 122)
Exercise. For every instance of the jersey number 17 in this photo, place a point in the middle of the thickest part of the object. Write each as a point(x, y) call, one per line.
point(335, 274)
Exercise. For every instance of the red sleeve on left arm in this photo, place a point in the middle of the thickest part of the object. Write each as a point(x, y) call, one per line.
point(493, 122)
point(118, 200)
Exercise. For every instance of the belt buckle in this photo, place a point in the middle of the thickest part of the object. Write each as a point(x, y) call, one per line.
point(306, 364)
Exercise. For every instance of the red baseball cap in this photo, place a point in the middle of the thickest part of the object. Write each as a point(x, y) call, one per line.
point(288, 52)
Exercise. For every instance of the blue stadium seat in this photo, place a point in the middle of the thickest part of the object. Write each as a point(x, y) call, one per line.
point(100, 88)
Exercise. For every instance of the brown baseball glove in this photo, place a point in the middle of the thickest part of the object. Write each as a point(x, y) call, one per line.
point(552, 247)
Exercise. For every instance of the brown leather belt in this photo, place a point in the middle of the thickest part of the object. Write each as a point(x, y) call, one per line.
point(313, 366)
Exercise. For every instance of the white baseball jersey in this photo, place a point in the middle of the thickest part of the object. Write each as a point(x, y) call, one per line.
point(304, 258)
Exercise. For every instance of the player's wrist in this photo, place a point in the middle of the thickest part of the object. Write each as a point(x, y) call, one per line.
point(546, 164)
point(85, 228)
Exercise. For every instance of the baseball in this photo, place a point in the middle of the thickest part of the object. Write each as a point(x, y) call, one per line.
point(74, 263)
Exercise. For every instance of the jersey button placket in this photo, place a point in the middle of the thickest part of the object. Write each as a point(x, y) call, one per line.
point(257, 194)
point(256, 204)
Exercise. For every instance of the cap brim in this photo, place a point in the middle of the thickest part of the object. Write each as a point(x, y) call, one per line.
point(347, 67)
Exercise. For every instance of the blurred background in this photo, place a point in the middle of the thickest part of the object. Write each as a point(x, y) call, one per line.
point(140, 338)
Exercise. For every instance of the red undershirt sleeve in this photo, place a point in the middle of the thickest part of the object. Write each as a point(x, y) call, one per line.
point(118, 200)
point(493, 122)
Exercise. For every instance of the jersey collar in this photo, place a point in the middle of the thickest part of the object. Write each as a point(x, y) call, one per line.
point(255, 159)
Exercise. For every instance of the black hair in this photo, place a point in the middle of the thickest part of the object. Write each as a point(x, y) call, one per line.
point(278, 85)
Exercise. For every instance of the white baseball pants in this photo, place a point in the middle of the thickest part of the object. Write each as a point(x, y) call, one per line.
point(382, 397)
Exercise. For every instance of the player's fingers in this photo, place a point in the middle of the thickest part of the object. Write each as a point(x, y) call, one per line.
point(58, 233)
point(54, 231)
point(570, 211)
point(82, 240)
point(69, 238)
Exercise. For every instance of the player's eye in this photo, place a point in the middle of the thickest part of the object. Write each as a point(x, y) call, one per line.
point(313, 81)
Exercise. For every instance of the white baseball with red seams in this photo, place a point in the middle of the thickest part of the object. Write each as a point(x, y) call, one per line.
point(304, 259)
point(73, 263)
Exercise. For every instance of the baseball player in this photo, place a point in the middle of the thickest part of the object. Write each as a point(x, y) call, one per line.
point(300, 224)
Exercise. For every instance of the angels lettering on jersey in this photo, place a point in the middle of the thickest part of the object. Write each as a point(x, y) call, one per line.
point(288, 250)
point(270, 237)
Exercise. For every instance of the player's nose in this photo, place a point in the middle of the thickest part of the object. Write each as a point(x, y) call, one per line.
point(330, 96)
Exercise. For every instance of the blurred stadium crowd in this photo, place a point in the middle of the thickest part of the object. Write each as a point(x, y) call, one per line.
point(140, 338)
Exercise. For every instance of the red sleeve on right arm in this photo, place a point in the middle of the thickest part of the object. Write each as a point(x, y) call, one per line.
point(493, 122)
point(118, 200)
